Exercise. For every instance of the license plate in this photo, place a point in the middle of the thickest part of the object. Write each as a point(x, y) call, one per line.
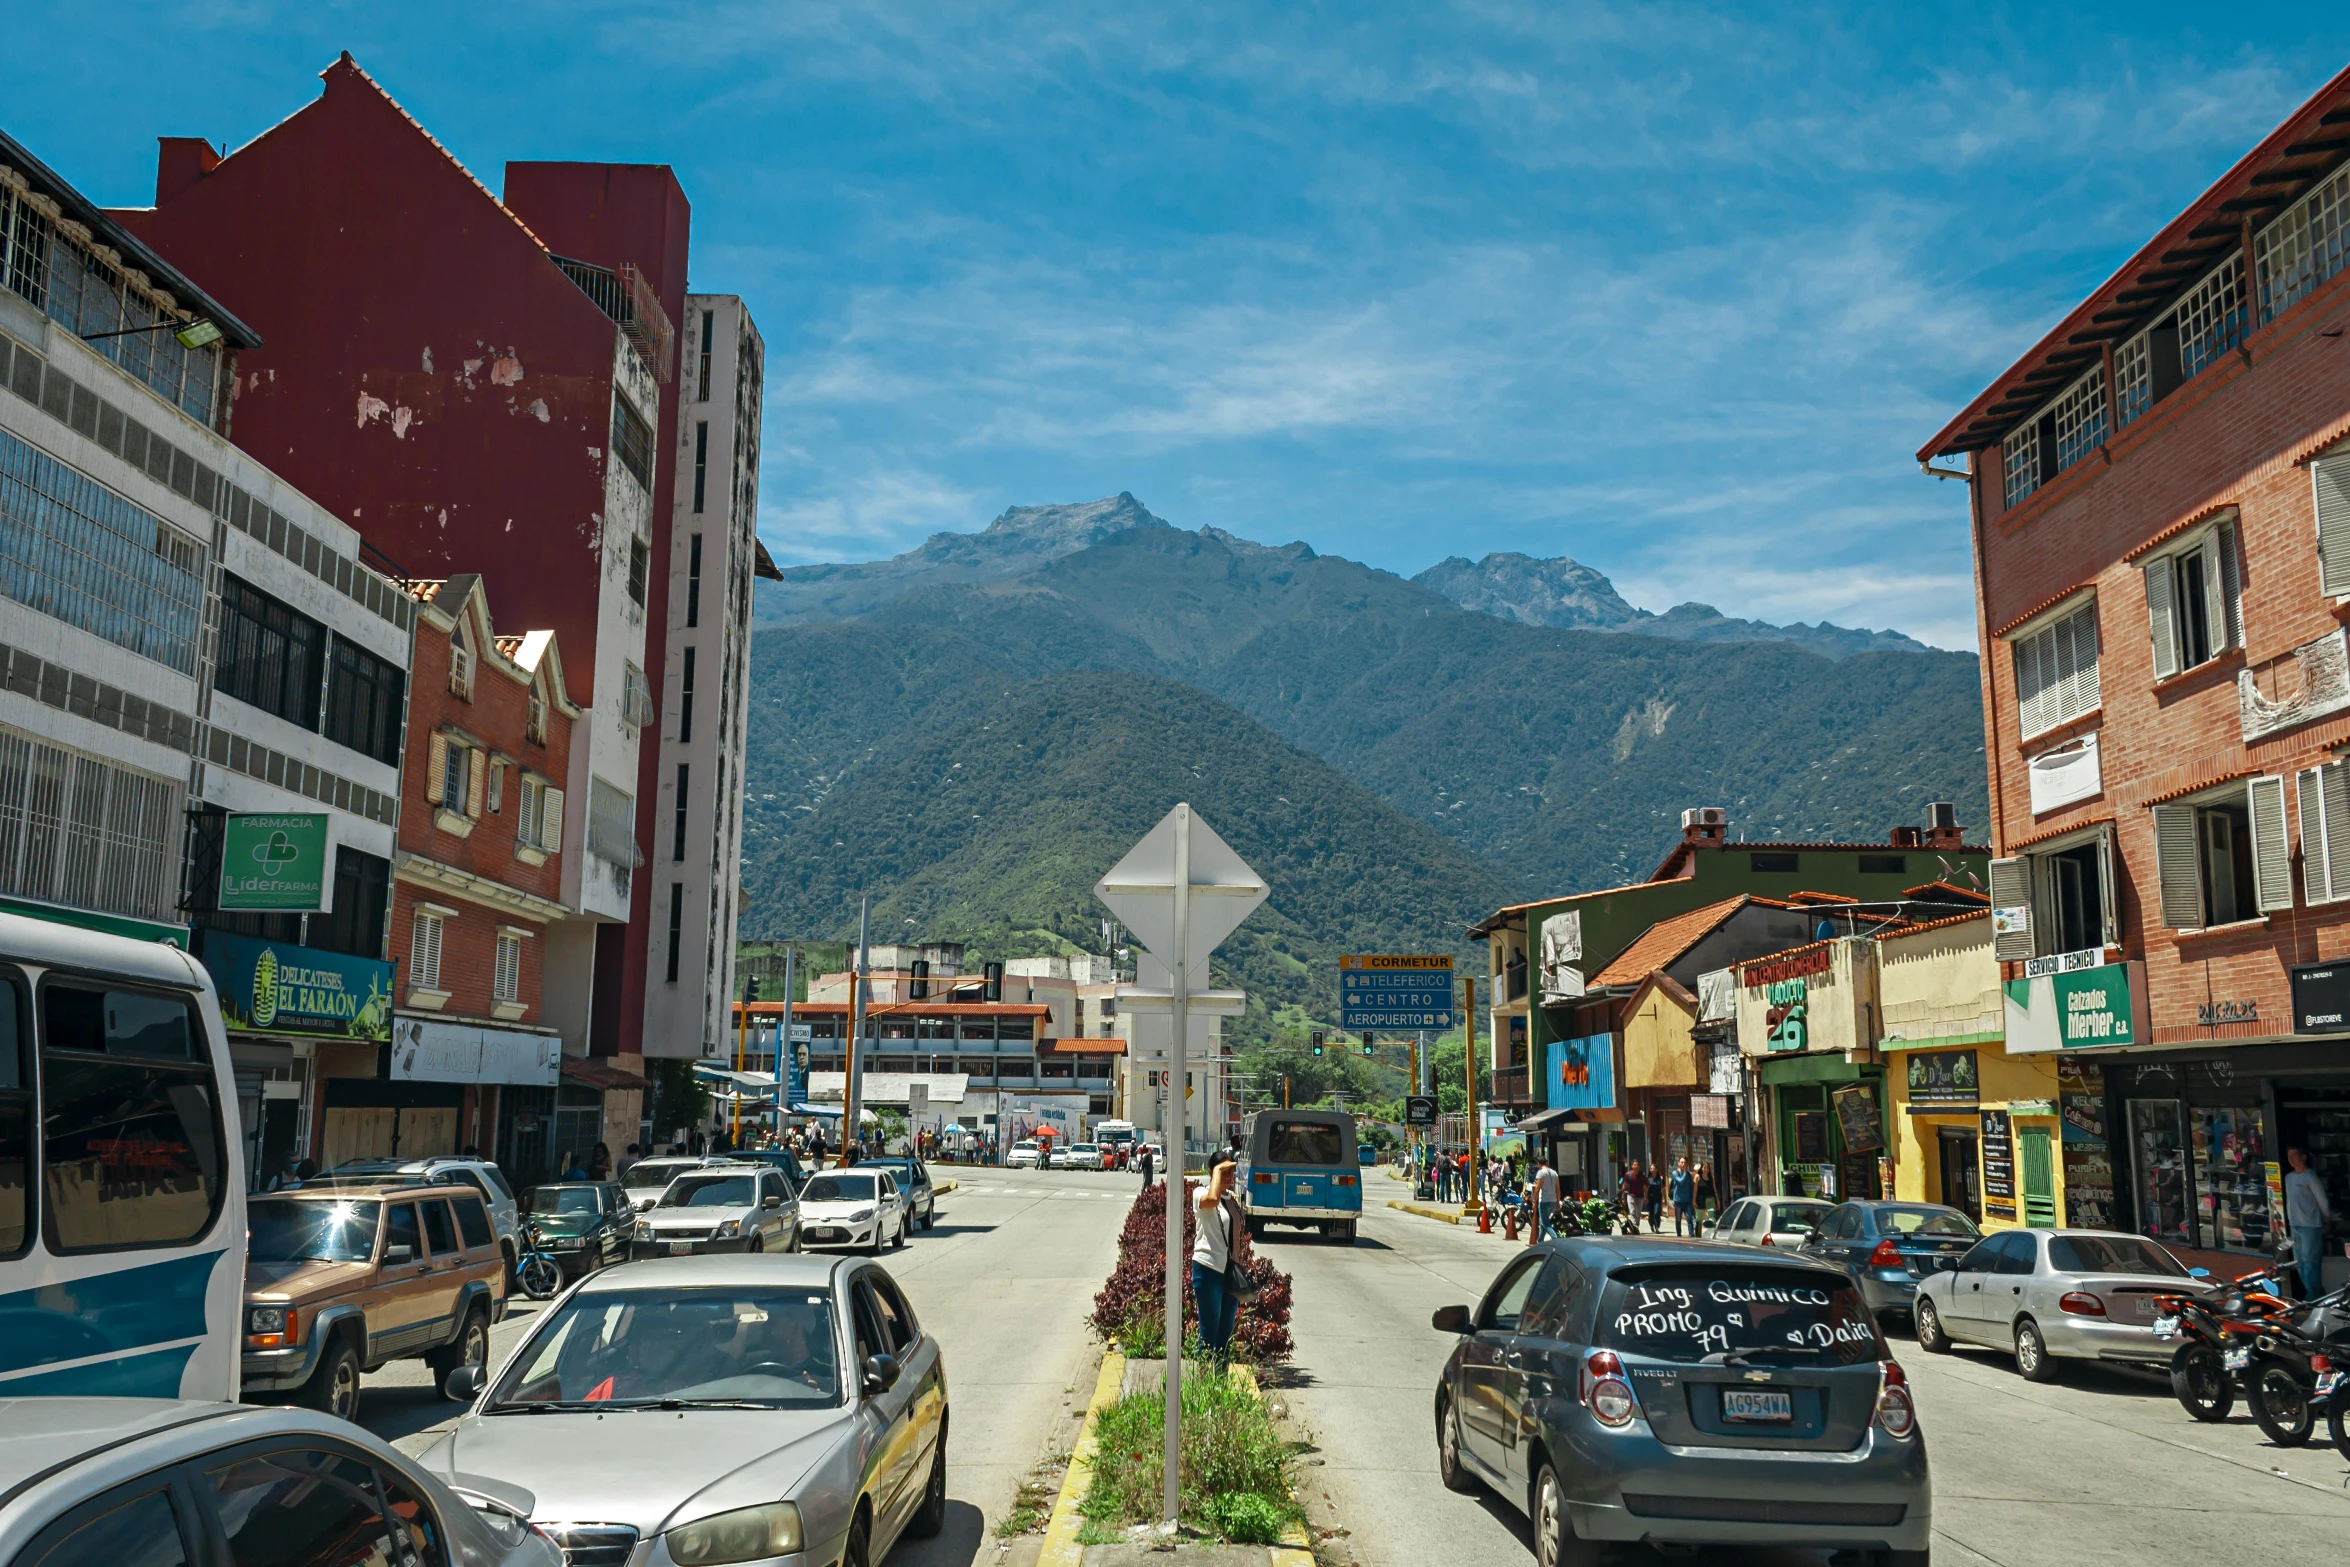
point(2236, 1359)
point(1947, 1262)
point(2327, 1381)
point(2135, 1308)
point(2166, 1327)
point(1739, 1403)
point(680, 1246)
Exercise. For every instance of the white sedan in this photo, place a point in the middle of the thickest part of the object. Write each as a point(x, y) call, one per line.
point(1025, 1156)
point(853, 1208)
point(1085, 1156)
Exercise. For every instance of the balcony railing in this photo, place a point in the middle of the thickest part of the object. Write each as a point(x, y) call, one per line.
point(629, 300)
point(1512, 1085)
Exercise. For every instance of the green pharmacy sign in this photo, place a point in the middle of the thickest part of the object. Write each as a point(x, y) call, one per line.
point(276, 988)
point(274, 861)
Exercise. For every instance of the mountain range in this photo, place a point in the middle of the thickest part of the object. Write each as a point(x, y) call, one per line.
point(974, 731)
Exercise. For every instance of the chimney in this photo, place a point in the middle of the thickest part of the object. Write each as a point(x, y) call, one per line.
point(1906, 838)
point(180, 161)
point(1705, 824)
point(1942, 830)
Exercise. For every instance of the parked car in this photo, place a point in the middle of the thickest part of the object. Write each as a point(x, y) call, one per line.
point(151, 1480)
point(582, 1225)
point(2047, 1296)
point(1770, 1221)
point(780, 1158)
point(1056, 1156)
point(1025, 1155)
point(718, 1208)
point(855, 1207)
point(1890, 1246)
point(1085, 1156)
point(340, 1282)
point(647, 1179)
point(803, 1415)
point(439, 1170)
point(1623, 1389)
point(914, 1184)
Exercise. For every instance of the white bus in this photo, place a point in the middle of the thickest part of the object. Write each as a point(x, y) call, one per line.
point(122, 1206)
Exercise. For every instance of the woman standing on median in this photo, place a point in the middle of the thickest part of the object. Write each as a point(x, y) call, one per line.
point(1211, 1259)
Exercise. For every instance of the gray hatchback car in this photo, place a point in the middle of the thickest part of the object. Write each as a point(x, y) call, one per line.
point(1626, 1390)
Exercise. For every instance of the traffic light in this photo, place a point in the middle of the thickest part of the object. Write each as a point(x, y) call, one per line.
point(751, 988)
point(1317, 1041)
point(991, 982)
point(1366, 1044)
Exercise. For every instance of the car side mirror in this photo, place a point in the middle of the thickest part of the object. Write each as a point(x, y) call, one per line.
point(1451, 1319)
point(465, 1383)
point(881, 1374)
point(1811, 1236)
point(771, 1201)
point(393, 1254)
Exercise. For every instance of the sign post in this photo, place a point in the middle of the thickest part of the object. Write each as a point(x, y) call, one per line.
point(1180, 892)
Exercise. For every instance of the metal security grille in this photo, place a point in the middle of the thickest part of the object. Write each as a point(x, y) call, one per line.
point(2080, 419)
point(78, 830)
point(2212, 317)
point(2133, 378)
point(2019, 459)
point(2304, 247)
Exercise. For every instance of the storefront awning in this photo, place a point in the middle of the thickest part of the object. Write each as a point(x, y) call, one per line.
point(594, 1074)
point(1542, 1121)
point(1827, 1066)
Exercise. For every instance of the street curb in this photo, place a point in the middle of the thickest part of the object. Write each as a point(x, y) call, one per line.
point(1437, 1214)
point(941, 1188)
point(1295, 1549)
point(1060, 1534)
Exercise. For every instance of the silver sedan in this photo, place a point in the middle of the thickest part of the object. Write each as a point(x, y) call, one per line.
point(717, 1409)
point(2047, 1296)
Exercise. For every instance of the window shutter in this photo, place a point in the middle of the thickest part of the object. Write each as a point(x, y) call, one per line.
point(2107, 867)
point(2272, 854)
point(436, 768)
point(2215, 594)
point(476, 765)
point(508, 978)
point(2083, 688)
point(424, 953)
point(2031, 685)
point(551, 819)
point(2162, 614)
point(2231, 582)
point(2175, 869)
point(2011, 888)
point(2309, 786)
point(2043, 884)
point(526, 814)
point(2333, 792)
point(2332, 481)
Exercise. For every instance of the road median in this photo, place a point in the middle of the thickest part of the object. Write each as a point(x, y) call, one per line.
point(1442, 1216)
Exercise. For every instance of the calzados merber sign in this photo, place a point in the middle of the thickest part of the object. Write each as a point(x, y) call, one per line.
point(2087, 1009)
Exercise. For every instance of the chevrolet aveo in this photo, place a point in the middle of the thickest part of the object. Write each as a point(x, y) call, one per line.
point(1654, 1391)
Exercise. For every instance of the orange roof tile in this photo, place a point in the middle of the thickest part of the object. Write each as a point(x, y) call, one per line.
point(1666, 940)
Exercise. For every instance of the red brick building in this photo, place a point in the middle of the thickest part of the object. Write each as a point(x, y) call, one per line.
point(2160, 502)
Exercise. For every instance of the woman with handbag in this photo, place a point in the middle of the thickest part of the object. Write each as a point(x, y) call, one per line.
point(1216, 1280)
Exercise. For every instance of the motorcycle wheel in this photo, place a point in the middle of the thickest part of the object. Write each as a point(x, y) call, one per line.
point(2201, 1384)
point(2338, 1422)
point(2280, 1403)
point(541, 1278)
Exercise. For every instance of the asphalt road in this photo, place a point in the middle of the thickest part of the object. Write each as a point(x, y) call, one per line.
point(1004, 1279)
point(2104, 1467)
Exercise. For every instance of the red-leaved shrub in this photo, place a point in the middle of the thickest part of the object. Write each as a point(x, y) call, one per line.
point(1137, 1287)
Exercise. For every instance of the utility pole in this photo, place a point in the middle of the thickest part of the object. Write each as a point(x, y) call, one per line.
point(783, 1041)
point(1476, 1202)
point(853, 1094)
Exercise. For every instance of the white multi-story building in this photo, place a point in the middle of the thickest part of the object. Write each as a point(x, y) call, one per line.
point(714, 553)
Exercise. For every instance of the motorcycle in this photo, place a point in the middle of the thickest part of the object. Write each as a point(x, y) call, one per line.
point(2217, 1329)
point(2284, 1366)
point(539, 1274)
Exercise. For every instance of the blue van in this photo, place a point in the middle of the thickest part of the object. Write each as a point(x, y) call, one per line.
point(1302, 1170)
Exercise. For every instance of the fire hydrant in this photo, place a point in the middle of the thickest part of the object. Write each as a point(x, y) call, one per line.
point(1509, 1224)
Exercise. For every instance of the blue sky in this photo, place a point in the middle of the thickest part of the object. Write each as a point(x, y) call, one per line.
point(1676, 290)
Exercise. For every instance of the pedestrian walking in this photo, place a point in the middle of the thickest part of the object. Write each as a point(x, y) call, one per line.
point(1684, 1193)
point(1635, 1197)
point(1657, 1178)
point(2306, 1213)
point(628, 1159)
point(1145, 1161)
point(1546, 1198)
point(1213, 1291)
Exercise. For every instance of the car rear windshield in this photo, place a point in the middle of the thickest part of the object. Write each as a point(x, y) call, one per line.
point(1928, 1222)
point(650, 1176)
point(282, 1230)
point(839, 1188)
point(1303, 1142)
point(2111, 1254)
point(709, 1191)
point(546, 1200)
point(1796, 1215)
point(1768, 1315)
point(643, 1349)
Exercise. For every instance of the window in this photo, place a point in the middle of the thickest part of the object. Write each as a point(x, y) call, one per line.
point(2325, 832)
point(363, 888)
point(506, 983)
point(2133, 378)
point(75, 829)
point(1508, 1300)
point(693, 582)
point(538, 820)
point(2224, 857)
point(16, 1123)
point(677, 834)
point(363, 701)
point(497, 785)
point(2304, 247)
point(437, 1229)
point(2079, 419)
point(2019, 461)
point(424, 953)
point(400, 1230)
point(129, 1127)
point(685, 700)
point(460, 665)
point(612, 823)
point(75, 550)
point(676, 925)
point(2329, 480)
point(702, 381)
point(300, 1508)
point(2208, 320)
point(455, 774)
point(636, 698)
point(632, 439)
point(534, 722)
point(701, 462)
point(270, 656)
point(142, 1532)
point(473, 1221)
point(2056, 670)
point(639, 561)
point(411, 1517)
point(1884, 865)
point(1773, 862)
point(2067, 893)
point(2194, 601)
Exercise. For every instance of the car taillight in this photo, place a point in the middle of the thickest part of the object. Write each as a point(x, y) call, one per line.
point(1895, 1413)
point(1345, 1180)
point(2081, 1303)
point(1887, 1255)
point(2321, 1363)
point(1261, 1178)
point(1766, 1240)
point(1605, 1391)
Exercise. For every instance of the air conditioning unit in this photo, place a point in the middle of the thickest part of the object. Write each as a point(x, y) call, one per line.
point(1942, 816)
point(1704, 816)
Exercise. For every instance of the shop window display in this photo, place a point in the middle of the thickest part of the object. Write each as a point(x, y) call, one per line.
point(2231, 1187)
point(2317, 1121)
point(2159, 1161)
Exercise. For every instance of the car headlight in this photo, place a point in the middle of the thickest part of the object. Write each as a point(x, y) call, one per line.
point(728, 1228)
point(744, 1535)
point(860, 1216)
point(268, 1321)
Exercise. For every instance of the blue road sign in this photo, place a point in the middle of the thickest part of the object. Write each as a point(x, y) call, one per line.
point(1386, 992)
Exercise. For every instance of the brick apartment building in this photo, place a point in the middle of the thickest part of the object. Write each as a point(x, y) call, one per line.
point(492, 386)
point(2160, 504)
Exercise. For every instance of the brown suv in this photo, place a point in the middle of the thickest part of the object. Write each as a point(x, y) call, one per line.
point(342, 1280)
